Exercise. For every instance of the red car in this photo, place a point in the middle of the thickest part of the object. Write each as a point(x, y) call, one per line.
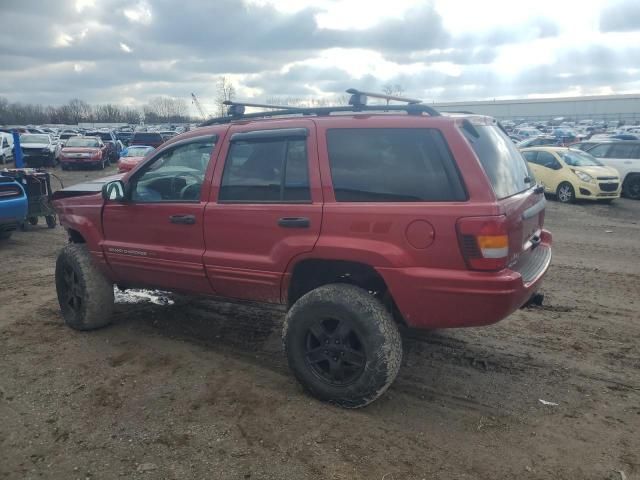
point(132, 156)
point(359, 222)
point(84, 151)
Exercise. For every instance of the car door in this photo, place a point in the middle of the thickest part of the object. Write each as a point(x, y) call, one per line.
point(548, 171)
point(265, 208)
point(155, 237)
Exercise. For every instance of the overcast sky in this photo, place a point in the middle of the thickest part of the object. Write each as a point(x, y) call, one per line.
point(125, 51)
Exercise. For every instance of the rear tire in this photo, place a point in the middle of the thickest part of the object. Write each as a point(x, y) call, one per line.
point(33, 221)
point(565, 193)
point(51, 221)
point(631, 186)
point(342, 345)
point(84, 294)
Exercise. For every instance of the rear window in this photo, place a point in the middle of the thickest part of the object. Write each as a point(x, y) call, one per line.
point(147, 137)
point(392, 165)
point(500, 158)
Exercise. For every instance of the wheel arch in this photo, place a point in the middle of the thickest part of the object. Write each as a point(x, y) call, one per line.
point(308, 274)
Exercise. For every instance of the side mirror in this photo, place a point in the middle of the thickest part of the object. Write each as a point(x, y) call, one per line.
point(113, 191)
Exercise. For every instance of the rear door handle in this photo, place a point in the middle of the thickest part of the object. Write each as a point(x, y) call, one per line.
point(294, 222)
point(183, 219)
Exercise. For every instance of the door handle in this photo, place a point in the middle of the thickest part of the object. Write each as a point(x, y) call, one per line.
point(294, 222)
point(183, 219)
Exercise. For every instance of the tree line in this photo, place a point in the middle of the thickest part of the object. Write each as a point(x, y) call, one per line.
point(157, 110)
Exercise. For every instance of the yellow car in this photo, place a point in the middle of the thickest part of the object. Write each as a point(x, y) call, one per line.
point(572, 174)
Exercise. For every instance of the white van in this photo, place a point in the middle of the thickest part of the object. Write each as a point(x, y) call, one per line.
point(6, 148)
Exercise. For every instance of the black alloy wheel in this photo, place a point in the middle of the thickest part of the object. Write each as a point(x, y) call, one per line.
point(334, 351)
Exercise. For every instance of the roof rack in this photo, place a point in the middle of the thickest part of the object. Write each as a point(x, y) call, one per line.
point(357, 104)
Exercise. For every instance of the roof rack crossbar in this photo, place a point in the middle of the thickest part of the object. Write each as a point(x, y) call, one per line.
point(383, 96)
point(412, 109)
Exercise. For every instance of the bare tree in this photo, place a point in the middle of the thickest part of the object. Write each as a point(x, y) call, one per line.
point(393, 89)
point(225, 91)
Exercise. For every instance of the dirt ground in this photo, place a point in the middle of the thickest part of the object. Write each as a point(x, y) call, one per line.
point(193, 388)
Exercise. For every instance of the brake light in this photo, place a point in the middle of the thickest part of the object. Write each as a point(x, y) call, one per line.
point(97, 154)
point(484, 242)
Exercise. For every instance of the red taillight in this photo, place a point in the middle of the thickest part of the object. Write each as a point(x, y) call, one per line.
point(10, 191)
point(484, 242)
point(97, 154)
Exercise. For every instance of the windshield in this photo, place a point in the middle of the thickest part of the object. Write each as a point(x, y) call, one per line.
point(34, 138)
point(580, 159)
point(502, 161)
point(137, 151)
point(82, 142)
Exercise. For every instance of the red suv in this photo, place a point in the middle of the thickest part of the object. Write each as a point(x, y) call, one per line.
point(358, 222)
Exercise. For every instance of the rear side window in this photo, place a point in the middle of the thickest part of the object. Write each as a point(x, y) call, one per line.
point(269, 170)
point(392, 165)
point(500, 158)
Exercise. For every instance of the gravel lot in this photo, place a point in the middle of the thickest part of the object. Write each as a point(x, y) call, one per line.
point(200, 389)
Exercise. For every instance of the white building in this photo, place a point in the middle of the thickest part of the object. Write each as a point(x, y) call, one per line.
point(602, 107)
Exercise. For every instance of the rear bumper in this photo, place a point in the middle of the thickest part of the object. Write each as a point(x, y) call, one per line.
point(436, 298)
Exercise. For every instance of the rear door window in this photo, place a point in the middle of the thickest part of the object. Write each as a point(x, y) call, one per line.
point(392, 165)
point(621, 150)
point(269, 170)
point(502, 161)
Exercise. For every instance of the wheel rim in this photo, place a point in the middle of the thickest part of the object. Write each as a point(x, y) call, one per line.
point(334, 352)
point(565, 194)
point(72, 291)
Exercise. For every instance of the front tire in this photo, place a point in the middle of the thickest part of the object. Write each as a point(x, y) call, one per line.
point(631, 187)
point(565, 193)
point(342, 345)
point(84, 294)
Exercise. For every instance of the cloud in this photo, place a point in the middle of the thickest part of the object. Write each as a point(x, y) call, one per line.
point(111, 50)
point(623, 16)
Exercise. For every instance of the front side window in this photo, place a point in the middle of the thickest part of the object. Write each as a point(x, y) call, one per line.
point(392, 165)
point(175, 175)
point(266, 170)
point(600, 151)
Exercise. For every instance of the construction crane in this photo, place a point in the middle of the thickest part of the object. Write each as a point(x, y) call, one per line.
point(196, 102)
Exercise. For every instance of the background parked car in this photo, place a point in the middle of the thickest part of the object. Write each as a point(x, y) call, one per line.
point(624, 156)
point(110, 141)
point(153, 139)
point(133, 155)
point(572, 174)
point(84, 151)
point(39, 149)
point(538, 141)
point(66, 135)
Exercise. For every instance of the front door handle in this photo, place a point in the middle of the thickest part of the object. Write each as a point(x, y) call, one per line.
point(183, 219)
point(294, 222)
